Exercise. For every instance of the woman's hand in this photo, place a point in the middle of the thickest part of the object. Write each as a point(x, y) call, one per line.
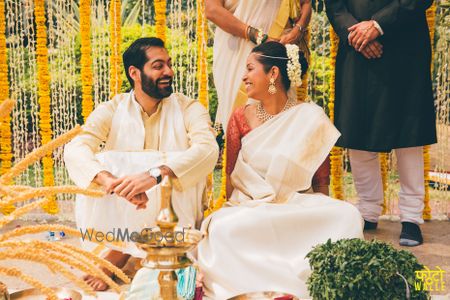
point(292, 37)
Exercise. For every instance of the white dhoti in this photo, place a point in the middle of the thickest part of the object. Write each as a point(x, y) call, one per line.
point(113, 214)
point(184, 139)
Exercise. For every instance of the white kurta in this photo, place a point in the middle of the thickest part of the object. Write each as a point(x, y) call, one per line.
point(177, 135)
point(260, 244)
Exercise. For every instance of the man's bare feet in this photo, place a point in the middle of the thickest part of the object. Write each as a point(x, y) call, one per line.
point(118, 259)
point(96, 283)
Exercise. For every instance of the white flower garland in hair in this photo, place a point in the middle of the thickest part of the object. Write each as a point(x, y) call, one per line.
point(294, 68)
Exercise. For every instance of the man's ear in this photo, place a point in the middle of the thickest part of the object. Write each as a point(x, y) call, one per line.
point(135, 73)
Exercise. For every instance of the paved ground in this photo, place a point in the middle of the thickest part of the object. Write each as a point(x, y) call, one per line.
point(434, 252)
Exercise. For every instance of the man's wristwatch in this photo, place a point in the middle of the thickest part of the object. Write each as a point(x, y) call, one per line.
point(156, 173)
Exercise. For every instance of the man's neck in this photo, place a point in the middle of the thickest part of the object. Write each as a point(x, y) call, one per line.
point(148, 104)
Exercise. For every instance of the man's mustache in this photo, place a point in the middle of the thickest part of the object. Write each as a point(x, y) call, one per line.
point(165, 78)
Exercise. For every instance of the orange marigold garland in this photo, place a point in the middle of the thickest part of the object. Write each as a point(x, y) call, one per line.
point(160, 19)
point(202, 75)
point(45, 121)
point(115, 80)
point(86, 59)
point(202, 55)
point(5, 122)
point(337, 152)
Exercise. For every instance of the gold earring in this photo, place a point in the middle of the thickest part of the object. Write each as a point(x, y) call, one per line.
point(272, 87)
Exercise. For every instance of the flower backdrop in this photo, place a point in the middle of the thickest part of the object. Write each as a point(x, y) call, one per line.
point(61, 58)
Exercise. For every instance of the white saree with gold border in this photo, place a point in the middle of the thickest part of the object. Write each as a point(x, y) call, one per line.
point(260, 242)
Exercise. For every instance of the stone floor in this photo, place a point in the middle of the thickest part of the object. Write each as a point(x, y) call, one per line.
point(434, 252)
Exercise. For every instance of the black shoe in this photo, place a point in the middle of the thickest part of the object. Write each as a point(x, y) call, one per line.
point(411, 235)
point(370, 225)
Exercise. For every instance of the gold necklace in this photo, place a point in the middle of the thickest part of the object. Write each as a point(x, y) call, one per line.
point(264, 116)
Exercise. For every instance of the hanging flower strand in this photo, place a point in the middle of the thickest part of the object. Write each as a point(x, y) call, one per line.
point(45, 121)
point(160, 19)
point(115, 58)
point(431, 19)
point(87, 103)
point(202, 55)
point(5, 106)
point(337, 152)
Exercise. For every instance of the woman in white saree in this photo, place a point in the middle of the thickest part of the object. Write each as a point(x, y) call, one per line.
point(260, 241)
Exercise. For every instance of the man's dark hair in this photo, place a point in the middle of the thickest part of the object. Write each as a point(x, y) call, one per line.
point(135, 54)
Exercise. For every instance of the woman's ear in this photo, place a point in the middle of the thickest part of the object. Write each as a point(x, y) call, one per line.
point(274, 72)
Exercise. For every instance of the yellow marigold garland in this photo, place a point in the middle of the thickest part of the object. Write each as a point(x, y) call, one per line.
point(6, 106)
point(426, 214)
point(115, 80)
point(336, 165)
point(202, 73)
point(45, 121)
point(384, 158)
point(431, 16)
point(87, 103)
point(160, 19)
point(202, 55)
point(223, 186)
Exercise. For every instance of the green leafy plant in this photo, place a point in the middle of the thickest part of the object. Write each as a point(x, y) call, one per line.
point(357, 269)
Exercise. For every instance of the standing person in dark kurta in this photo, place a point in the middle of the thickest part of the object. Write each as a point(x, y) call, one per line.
point(384, 100)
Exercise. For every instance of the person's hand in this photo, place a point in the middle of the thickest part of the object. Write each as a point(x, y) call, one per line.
point(140, 200)
point(132, 185)
point(291, 37)
point(106, 180)
point(373, 50)
point(361, 34)
point(199, 279)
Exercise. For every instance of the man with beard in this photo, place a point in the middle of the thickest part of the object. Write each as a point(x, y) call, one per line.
point(129, 144)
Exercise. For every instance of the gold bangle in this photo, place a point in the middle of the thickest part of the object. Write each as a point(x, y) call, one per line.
point(246, 32)
point(300, 27)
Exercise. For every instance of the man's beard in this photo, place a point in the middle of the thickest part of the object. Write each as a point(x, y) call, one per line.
point(151, 88)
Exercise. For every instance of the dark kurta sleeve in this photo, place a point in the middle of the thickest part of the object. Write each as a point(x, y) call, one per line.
point(340, 18)
point(400, 13)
